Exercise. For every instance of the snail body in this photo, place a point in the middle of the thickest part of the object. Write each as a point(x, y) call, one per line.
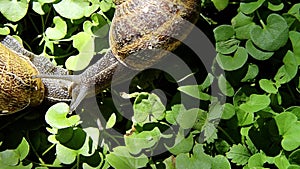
point(141, 33)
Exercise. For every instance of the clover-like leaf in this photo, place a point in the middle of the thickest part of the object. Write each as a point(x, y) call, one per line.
point(171, 116)
point(14, 10)
point(4, 31)
point(111, 121)
point(223, 33)
point(257, 160)
point(225, 86)
point(186, 119)
point(220, 4)
point(256, 53)
point(136, 142)
point(220, 162)
point(273, 36)
point(234, 62)
point(120, 158)
point(10, 159)
point(255, 103)
point(198, 160)
point(106, 5)
point(268, 86)
point(290, 139)
point(182, 144)
point(252, 72)
point(198, 91)
point(56, 116)
point(147, 104)
point(295, 39)
point(250, 7)
point(285, 121)
point(84, 43)
point(228, 111)
point(76, 9)
point(274, 7)
point(59, 31)
point(289, 70)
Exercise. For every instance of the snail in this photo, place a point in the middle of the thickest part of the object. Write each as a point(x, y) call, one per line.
point(137, 29)
point(18, 89)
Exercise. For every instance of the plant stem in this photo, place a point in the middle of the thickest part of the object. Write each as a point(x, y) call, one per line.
point(260, 20)
point(226, 134)
point(34, 150)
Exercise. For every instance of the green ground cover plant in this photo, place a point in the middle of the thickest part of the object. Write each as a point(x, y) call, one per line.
point(258, 52)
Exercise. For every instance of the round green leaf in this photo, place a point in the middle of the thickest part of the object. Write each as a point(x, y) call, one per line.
point(111, 121)
point(252, 72)
point(14, 10)
point(255, 103)
point(268, 86)
point(73, 9)
point(187, 119)
point(59, 31)
point(223, 33)
point(56, 116)
point(256, 53)
point(250, 7)
point(230, 63)
point(220, 4)
point(228, 111)
point(284, 121)
point(84, 43)
point(273, 36)
point(225, 86)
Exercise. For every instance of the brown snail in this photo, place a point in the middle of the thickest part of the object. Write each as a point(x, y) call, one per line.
point(18, 88)
point(138, 28)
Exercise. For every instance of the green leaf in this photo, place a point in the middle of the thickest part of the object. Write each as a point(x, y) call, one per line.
point(56, 116)
point(256, 53)
point(197, 91)
point(172, 115)
point(234, 62)
point(84, 43)
point(120, 158)
point(14, 10)
point(223, 33)
point(228, 46)
point(242, 25)
point(76, 9)
point(294, 10)
point(182, 144)
point(73, 138)
point(105, 6)
point(273, 7)
point(255, 103)
point(59, 31)
point(225, 86)
point(268, 86)
point(289, 128)
point(4, 31)
point(257, 160)
point(111, 121)
point(136, 142)
point(295, 39)
point(23, 149)
point(244, 118)
point(187, 119)
point(220, 4)
point(252, 72)
point(289, 70)
point(250, 7)
point(273, 36)
point(146, 105)
point(281, 161)
point(238, 154)
point(228, 111)
point(220, 162)
point(198, 160)
point(169, 162)
point(294, 157)
point(284, 121)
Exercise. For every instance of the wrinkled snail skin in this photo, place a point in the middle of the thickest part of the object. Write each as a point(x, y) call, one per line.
point(17, 61)
point(138, 27)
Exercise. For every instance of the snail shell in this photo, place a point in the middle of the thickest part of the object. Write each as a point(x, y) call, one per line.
point(18, 88)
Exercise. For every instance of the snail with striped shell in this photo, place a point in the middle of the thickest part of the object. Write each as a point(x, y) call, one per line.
point(137, 29)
